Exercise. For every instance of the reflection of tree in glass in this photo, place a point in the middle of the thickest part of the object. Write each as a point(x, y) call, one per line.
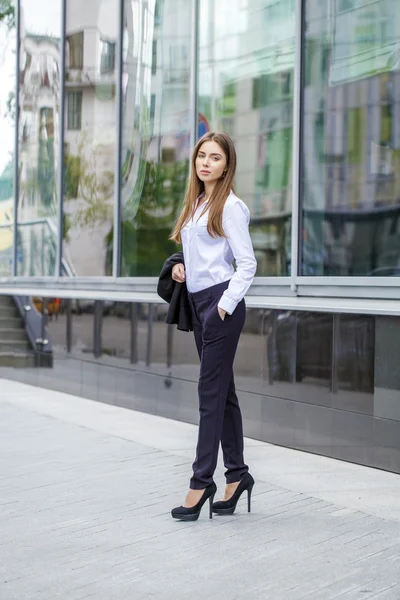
point(7, 16)
point(46, 172)
point(84, 181)
point(10, 107)
point(145, 244)
point(7, 13)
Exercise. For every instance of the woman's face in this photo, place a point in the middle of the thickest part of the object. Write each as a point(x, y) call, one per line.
point(210, 162)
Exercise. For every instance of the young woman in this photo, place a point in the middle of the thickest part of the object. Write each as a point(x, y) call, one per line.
point(214, 230)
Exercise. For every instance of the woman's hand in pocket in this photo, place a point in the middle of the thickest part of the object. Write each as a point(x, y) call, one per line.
point(178, 273)
point(222, 313)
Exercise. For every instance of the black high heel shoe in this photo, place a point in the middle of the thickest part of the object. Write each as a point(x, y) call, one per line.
point(227, 507)
point(192, 514)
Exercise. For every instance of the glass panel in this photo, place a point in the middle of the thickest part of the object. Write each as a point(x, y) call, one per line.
point(7, 126)
point(74, 111)
point(246, 76)
point(298, 356)
point(90, 137)
point(39, 98)
point(354, 366)
point(155, 137)
point(387, 372)
point(351, 139)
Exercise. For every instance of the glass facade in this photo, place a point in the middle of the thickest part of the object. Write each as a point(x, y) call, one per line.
point(155, 130)
point(38, 138)
point(307, 89)
point(90, 136)
point(8, 43)
point(351, 138)
point(246, 86)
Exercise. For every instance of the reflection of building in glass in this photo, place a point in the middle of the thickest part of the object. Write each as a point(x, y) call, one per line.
point(90, 134)
point(364, 39)
point(38, 156)
point(155, 125)
point(7, 150)
point(350, 132)
point(352, 140)
point(155, 128)
point(246, 88)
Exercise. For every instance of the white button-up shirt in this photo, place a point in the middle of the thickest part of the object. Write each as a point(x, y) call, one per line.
point(208, 261)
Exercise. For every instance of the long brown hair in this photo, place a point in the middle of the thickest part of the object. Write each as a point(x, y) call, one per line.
point(195, 187)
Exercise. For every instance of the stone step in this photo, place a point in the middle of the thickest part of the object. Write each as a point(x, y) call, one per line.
point(6, 301)
point(14, 345)
point(8, 311)
point(18, 360)
point(10, 323)
point(16, 333)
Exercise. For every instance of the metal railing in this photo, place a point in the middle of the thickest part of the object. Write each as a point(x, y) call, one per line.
point(36, 329)
point(35, 322)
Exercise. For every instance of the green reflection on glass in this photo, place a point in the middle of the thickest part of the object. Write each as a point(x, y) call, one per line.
point(155, 140)
point(247, 56)
point(351, 139)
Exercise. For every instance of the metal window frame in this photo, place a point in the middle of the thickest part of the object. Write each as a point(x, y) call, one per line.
point(194, 69)
point(296, 144)
point(61, 150)
point(372, 295)
point(116, 264)
point(73, 115)
point(108, 59)
point(263, 287)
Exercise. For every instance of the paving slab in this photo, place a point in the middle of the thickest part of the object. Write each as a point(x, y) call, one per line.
point(86, 491)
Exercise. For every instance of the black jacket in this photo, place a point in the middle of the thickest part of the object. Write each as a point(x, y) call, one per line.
point(179, 312)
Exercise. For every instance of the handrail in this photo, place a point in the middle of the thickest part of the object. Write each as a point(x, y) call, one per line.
point(35, 325)
point(68, 269)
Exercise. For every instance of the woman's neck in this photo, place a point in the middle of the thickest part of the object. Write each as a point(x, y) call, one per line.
point(208, 190)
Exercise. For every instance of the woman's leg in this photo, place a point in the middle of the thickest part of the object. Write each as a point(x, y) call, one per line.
point(232, 437)
point(232, 429)
point(218, 349)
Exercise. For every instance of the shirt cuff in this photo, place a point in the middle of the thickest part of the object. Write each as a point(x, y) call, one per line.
point(227, 304)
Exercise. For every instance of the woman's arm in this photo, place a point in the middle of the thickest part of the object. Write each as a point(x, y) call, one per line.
point(236, 227)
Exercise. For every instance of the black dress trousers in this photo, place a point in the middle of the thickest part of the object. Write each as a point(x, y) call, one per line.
point(220, 416)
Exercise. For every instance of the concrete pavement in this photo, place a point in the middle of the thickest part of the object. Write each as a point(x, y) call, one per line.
point(85, 496)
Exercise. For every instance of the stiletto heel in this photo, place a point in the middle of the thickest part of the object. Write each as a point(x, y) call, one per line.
point(227, 507)
point(193, 513)
point(211, 504)
point(249, 490)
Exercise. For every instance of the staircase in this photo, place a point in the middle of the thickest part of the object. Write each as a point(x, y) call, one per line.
point(15, 349)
